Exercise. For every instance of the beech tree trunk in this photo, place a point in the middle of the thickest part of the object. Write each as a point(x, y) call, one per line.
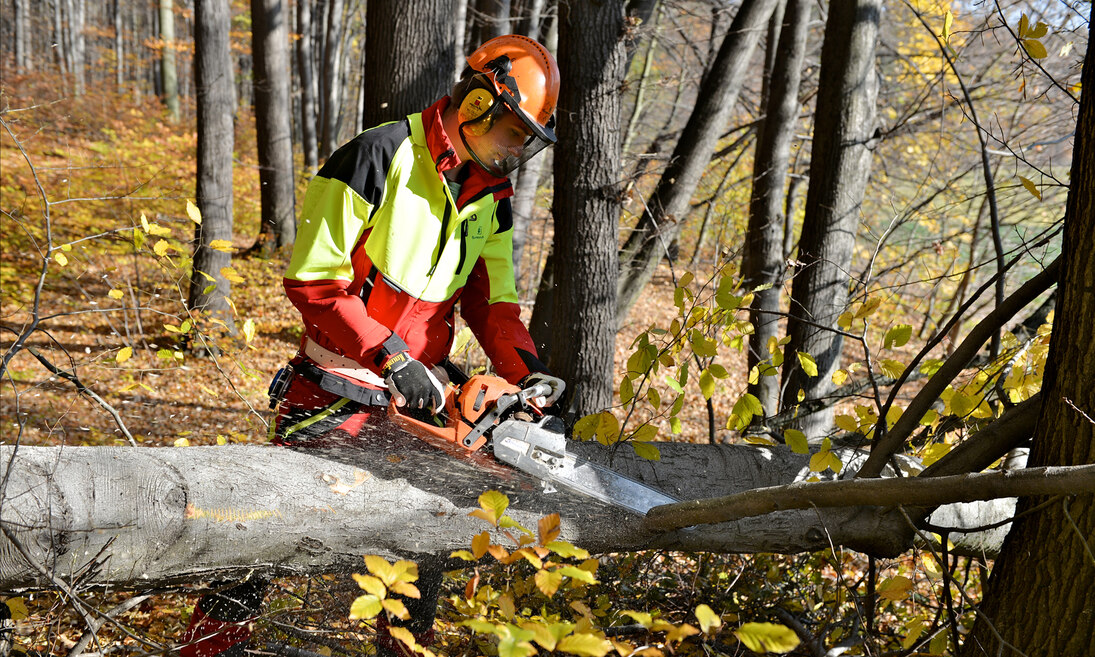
point(273, 125)
point(1038, 597)
point(209, 289)
point(306, 75)
point(587, 166)
point(763, 262)
point(146, 517)
point(330, 110)
point(409, 51)
point(667, 207)
point(168, 67)
point(843, 138)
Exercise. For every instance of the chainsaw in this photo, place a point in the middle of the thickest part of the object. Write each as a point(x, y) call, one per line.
point(492, 422)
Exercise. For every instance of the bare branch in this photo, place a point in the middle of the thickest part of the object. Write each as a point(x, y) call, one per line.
point(909, 491)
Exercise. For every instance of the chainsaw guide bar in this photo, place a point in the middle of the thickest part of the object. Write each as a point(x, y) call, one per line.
point(484, 417)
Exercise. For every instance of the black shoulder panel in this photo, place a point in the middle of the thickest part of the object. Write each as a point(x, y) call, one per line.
point(362, 163)
point(505, 215)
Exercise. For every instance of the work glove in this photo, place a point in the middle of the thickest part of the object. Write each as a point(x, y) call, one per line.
point(556, 384)
point(412, 384)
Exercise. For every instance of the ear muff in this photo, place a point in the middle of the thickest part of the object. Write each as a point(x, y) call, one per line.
point(475, 104)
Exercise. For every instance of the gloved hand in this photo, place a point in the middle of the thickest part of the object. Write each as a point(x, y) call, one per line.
point(556, 384)
point(412, 384)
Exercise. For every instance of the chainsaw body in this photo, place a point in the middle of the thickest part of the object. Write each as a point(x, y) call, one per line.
point(488, 412)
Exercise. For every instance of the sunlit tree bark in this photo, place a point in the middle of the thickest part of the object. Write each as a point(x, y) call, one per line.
point(209, 288)
point(270, 48)
point(843, 137)
point(168, 67)
point(1038, 599)
point(762, 261)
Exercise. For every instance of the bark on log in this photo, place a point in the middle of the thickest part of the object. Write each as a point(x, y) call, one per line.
point(123, 516)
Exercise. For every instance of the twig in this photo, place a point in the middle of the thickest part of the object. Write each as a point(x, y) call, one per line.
point(125, 606)
point(84, 390)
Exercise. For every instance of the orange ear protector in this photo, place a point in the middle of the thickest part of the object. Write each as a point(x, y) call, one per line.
point(475, 103)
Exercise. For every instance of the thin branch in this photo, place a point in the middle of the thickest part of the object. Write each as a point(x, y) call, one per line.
point(890, 492)
point(84, 390)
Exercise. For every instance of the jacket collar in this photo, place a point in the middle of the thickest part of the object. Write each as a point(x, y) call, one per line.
point(475, 181)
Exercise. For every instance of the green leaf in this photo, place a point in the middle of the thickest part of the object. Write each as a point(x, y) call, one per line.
point(809, 365)
point(627, 391)
point(796, 440)
point(767, 637)
point(654, 397)
point(897, 336)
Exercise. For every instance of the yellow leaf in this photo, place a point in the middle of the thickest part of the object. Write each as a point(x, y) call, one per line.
point(1034, 48)
point(767, 637)
point(222, 245)
point(144, 222)
point(646, 451)
point(115, 294)
point(839, 377)
point(249, 330)
point(492, 505)
point(1031, 187)
point(891, 368)
point(371, 584)
point(396, 608)
point(809, 365)
point(845, 320)
point(193, 212)
point(708, 619)
point(18, 608)
point(707, 384)
point(847, 422)
point(585, 644)
point(182, 442)
point(161, 248)
point(61, 258)
point(230, 274)
point(897, 336)
point(548, 581)
point(948, 22)
point(895, 588)
point(796, 440)
point(365, 607)
point(124, 354)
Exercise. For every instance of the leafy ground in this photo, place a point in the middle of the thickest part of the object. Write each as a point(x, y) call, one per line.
point(115, 232)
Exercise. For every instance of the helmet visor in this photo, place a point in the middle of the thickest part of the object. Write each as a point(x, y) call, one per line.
point(504, 137)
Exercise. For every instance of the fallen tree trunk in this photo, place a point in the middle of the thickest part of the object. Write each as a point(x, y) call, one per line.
point(124, 516)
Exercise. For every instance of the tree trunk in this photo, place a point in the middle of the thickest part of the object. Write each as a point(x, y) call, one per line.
point(489, 19)
point(305, 72)
point(587, 165)
point(409, 51)
point(154, 516)
point(168, 68)
point(273, 125)
point(119, 47)
point(209, 289)
point(329, 81)
point(763, 262)
point(22, 37)
point(1038, 597)
point(840, 164)
point(664, 217)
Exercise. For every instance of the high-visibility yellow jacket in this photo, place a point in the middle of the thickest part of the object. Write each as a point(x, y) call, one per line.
point(384, 251)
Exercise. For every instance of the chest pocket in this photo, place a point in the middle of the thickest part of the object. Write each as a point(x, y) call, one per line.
point(474, 231)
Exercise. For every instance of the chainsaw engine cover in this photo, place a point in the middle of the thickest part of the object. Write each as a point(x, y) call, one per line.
point(464, 407)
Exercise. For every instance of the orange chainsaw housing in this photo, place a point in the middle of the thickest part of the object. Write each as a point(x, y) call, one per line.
point(464, 406)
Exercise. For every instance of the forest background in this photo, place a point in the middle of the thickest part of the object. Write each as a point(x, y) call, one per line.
point(786, 223)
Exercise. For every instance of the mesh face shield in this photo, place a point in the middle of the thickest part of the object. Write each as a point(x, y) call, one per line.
point(504, 137)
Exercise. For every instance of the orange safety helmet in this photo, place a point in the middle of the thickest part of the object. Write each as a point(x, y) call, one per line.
point(517, 78)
